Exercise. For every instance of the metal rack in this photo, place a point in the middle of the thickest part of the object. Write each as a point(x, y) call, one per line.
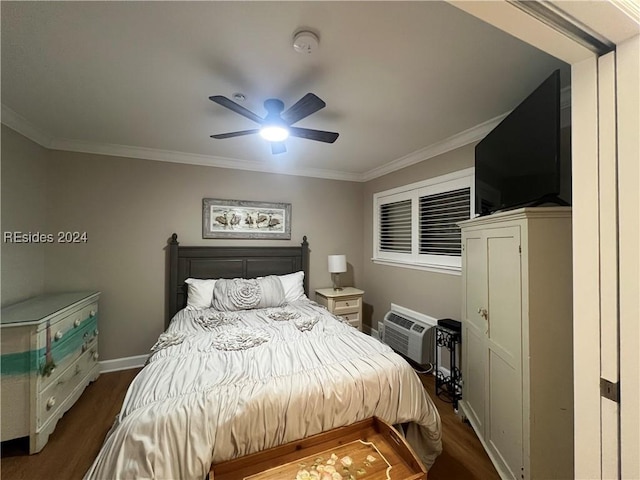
point(449, 387)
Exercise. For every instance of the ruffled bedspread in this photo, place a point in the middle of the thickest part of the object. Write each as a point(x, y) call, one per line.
point(220, 385)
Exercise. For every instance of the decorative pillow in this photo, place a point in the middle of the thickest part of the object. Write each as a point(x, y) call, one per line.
point(245, 294)
point(292, 286)
point(199, 293)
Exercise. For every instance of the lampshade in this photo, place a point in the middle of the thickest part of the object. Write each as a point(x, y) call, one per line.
point(337, 263)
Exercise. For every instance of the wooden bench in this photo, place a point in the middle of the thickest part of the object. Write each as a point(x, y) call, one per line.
point(371, 450)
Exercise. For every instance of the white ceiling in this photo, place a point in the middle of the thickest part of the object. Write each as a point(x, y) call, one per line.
point(133, 79)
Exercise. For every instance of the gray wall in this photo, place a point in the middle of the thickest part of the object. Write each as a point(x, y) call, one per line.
point(129, 209)
point(24, 184)
point(434, 294)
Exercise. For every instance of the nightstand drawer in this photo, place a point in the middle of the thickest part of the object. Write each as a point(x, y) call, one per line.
point(346, 305)
point(352, 318)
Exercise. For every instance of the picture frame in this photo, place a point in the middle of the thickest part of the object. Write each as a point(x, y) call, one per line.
point(245, 219)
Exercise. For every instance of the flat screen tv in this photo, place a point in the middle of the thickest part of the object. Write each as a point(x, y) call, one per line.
point(518, 162)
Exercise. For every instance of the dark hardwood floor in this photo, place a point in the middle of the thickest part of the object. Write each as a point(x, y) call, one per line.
point(463, 457)
point(80, 433)
point(77, 438)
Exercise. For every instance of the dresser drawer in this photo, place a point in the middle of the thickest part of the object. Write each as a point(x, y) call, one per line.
point(346, 305)
point(67, 351)
point(51, 399)
point(65, 326)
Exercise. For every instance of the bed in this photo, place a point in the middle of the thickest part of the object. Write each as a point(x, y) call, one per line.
point(258, 366)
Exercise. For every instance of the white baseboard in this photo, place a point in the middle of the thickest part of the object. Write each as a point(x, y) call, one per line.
point(125, 363)
point(370, 331)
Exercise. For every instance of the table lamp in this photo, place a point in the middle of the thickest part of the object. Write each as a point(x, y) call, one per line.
point(337, 265)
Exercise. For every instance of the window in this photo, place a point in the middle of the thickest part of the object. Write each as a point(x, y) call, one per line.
point(417, 225)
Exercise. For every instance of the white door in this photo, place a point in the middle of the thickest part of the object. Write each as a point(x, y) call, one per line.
point(628, 126)
point(492, 343)
point(503, 430)
point(474, 334)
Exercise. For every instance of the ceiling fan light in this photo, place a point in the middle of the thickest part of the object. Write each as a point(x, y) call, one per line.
point(274, 133)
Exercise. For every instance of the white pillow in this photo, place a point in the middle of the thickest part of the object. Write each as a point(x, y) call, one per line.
point(199, 293)
point(292, 286)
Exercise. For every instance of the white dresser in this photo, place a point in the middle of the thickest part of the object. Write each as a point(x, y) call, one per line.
point(49, 356)
point(346, 302)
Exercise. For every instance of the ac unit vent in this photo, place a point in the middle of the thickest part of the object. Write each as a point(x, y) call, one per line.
point(410, 337)
point(398, 320)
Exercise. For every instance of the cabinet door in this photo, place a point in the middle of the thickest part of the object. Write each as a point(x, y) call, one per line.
point(474, 333)
point(503, 413)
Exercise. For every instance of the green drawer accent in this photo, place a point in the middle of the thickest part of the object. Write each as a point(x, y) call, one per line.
point(23, 363)
point(71, 343)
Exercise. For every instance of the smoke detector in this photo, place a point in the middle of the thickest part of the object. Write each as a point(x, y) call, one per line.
point(305, 42)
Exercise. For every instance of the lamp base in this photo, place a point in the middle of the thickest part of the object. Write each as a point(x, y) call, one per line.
point(336, 282)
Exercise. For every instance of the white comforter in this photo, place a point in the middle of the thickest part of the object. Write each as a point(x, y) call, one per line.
point(223, 385)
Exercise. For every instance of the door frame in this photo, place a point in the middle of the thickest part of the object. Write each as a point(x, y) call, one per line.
point(617, 21)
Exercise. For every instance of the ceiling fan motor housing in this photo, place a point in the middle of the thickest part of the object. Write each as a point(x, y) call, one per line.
point(277, 125)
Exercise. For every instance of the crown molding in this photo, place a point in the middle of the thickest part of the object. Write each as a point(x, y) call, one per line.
point(24, 127)
point(21, 125)
point(195, 159)
point(455, 141)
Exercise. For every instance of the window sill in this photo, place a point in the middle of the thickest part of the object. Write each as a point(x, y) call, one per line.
point(429, 267)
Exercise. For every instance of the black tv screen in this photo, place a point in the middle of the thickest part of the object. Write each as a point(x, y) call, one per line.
point(518, 162)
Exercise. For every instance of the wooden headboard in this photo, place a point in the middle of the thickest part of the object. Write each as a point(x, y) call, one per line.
point(229, 262)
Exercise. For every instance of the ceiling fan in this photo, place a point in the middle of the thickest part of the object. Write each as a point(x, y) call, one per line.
point(276, 126)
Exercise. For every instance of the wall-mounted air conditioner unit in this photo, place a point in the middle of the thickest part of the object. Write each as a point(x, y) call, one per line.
point(409, 333)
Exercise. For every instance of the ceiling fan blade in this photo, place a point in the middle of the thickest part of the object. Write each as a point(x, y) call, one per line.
point(317, 135)
point(239, 109)
point(304, 107)
point(278, 147)
point(235, 134)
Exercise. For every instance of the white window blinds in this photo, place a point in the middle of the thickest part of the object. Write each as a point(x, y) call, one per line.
point(395, 226)
point(439, 216)
point(416, 225)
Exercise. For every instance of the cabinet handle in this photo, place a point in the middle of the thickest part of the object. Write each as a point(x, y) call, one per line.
point(51, 402)
point(92, 313)
point(59, 334)
point(76, 323)
point(95, 356)
point(483, 313)
point(347, 303)
point(95, 332)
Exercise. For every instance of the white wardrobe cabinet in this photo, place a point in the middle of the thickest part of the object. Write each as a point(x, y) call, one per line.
point(517, 340)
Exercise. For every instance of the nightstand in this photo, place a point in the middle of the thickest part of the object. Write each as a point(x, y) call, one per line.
point(346, 302)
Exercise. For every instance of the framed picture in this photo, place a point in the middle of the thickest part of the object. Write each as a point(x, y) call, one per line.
point(245, 219)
